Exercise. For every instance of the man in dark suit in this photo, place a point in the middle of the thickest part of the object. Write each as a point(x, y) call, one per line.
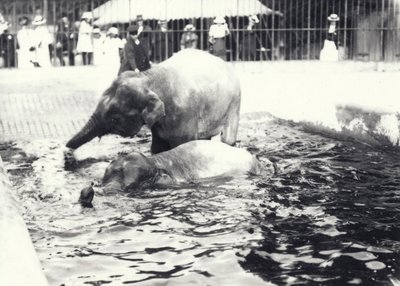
point(134, 57)
point(65, 40)
point(7, 46)
point(145, 35)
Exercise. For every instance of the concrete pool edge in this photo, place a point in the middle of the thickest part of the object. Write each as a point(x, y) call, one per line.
point(19, 264)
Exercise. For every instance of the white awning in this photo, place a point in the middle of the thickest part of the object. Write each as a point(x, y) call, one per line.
point(124, 11)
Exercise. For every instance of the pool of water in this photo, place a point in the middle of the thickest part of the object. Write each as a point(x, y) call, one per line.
point(330, 216)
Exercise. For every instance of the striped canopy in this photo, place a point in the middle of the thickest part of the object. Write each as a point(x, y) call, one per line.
point(123, 11)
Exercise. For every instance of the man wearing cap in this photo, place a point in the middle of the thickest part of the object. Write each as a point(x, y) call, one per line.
point(248, 49)
point(134, 56)
point(7, 45)
point(145, 35)
point(330, 51)
point(65, 40)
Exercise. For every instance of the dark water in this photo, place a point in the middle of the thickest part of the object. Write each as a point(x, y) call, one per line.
point(329, 217)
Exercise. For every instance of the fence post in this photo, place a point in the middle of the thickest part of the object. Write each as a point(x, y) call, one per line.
point(273, 52)
point(382, 31)
point(237, 31)
point(308, 29)
point(345, 29)
point(45, 10)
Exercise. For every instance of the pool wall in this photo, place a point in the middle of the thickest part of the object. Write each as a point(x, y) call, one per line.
point(19, 264)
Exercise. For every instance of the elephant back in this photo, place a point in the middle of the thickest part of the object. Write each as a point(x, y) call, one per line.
point(196, 76)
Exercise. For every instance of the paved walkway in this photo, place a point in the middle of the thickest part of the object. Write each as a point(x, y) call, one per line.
point(52, 103)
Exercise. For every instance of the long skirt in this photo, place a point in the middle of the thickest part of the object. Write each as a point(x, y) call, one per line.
point(329, 53)
point(219, 48)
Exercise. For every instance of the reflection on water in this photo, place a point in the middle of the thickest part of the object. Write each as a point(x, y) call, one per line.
point(330, 216)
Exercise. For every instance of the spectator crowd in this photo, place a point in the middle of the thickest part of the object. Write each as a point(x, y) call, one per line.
point(86, 43)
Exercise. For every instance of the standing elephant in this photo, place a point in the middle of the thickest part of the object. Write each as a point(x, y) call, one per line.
point(193, 95)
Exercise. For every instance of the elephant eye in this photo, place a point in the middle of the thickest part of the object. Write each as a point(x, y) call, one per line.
point(115, 120)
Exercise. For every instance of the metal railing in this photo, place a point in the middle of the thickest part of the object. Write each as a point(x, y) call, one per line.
point(287, 29)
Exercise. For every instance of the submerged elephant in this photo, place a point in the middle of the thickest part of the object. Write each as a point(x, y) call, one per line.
point(188, 162)
point(193, 95)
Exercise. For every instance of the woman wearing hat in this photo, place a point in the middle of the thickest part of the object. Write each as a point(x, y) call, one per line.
point(85, 41)
point(25, 40)
point(112, 47)
point(99, 38)
point(42, 40)
point(189, 38)
point(330, 51)
point(216, 37)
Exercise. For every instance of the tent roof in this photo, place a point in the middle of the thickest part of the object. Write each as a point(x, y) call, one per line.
point(123, 11)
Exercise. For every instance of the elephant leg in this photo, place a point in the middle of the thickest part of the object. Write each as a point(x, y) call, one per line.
point(158, 144)
point(230, 129)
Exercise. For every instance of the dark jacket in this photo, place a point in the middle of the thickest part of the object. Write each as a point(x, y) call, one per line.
point(146, 38)
point(333, 38)
point(7, 49)
point(65, 35)
point(134, 56)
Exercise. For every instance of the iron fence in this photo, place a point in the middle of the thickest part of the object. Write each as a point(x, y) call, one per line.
point(285, 29)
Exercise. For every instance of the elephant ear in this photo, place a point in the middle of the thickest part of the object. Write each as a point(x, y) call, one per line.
point(154, 109)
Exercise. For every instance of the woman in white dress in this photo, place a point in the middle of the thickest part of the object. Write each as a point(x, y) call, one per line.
point(25, 51)
point(85, 40)
point(112, 48)
point(42, 40)
point(329, 52)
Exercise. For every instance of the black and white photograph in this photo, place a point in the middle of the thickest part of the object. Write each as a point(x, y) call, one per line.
point(199, 142)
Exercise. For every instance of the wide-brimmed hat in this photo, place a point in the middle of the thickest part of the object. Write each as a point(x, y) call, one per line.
point(254, 19)
point(112, 31)
point(189, 27)
point(87, 15)
point(333, 18)
point(39, 20)
point(219, 20)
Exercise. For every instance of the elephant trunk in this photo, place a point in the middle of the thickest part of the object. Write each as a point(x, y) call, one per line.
point(91, 129)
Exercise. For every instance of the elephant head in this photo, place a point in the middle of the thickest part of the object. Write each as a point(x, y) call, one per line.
point(127, 172)
point(123, 109)
point(134, 171)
